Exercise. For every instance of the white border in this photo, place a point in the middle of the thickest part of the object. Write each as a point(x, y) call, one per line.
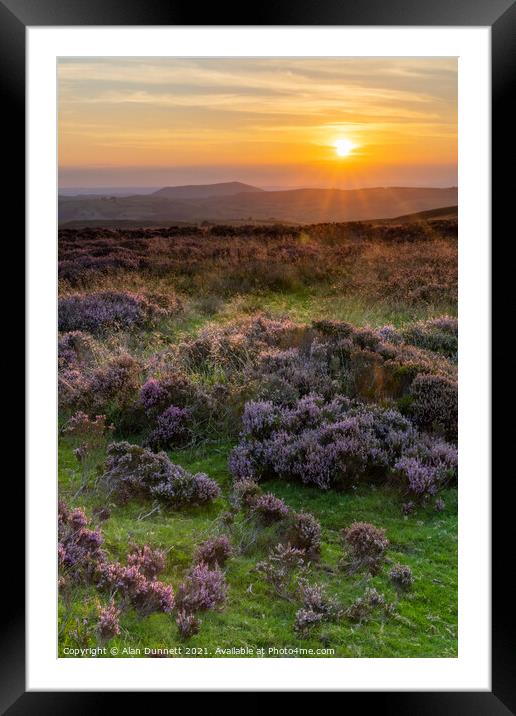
point(471, 670)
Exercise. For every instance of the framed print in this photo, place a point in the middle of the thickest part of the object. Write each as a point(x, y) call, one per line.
point(258, 366)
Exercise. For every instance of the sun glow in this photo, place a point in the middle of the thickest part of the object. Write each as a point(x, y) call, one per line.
point(344, 147)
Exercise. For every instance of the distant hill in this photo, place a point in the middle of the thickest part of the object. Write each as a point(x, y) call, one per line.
point(251, 204)
point(198, 191)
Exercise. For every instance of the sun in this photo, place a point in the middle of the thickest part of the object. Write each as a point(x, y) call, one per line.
point(344, 147)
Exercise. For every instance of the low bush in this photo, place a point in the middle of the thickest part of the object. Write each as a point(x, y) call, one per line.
point(108, 625)
point(401, 576)
point(80, 549)
point(188, 624)
point(437, 334)
point(283, 568)
point(269, 509)
point(214, 551)
point(110, 389)
point(203, 588)
point(82, 559)
point(304, 532)
point(317, 607)
point(434, 404)
point(365, 547)
point(76, 348)
point(150, 562)
point(337, 444)
point(134, 470)
point(174, 389)
point(171, 429)
point(111, 310)
point(245, 493)
point(134, 589)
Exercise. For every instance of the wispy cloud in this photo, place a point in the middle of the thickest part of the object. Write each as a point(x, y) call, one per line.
point(187, 112)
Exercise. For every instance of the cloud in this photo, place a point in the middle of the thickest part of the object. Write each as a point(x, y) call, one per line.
point(144, 110)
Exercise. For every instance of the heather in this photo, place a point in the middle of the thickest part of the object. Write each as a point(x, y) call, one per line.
point(203, 588)
point(258, 438)
point(132, 470)
point(406, 262)
point(401, 576)
point(82, 559)
point(214, 551)
point(365, 546)
point(424, 541)
point(98, 312)
point(339, 444)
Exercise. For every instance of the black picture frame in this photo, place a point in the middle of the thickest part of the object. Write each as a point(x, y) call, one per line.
point(500, 16)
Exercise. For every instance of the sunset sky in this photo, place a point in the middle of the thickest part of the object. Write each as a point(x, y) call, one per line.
point(136, 122)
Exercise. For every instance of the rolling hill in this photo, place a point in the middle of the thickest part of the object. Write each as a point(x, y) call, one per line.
point(246, 203)
point(201, 191)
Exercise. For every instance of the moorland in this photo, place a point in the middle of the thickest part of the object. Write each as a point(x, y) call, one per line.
point(258, 436)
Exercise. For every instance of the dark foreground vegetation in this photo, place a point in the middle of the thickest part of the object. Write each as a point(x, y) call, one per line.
point(258, 434)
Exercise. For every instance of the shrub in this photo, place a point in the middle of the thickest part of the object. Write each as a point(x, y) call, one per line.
point(175, 389)
point(259, 419)
point(110, 389)
point(366, 546)
point(426, 466)
point(334, 444)
point(269, 509)
point(75, 348)
point(283, 568)
point(203, 588)
point(108, 310)
point(317, 607)
point(437, 334)
point(133, 470)
point(150, 562)
point(314, 597)
point(214, 551)
point(245, 493)
point(241, 463)
point(118, 381)
point(79, 548)
point(82, 559)
point(108, 625)
point(401, 576)
point(390, 334)
point(188, 624)
point(134, 589)
point(80, 425)
point(435, 404)
point(171, 429)
point(363, 607)
point(305, 621)
point(304, 532)
point(285, 376)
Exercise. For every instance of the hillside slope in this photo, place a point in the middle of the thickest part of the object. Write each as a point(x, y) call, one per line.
point(299, 205)
point(197, 191)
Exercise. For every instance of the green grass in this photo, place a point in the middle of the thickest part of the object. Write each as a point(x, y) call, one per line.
point(426, 620)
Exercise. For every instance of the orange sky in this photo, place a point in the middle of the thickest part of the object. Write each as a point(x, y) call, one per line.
point(156, 121)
